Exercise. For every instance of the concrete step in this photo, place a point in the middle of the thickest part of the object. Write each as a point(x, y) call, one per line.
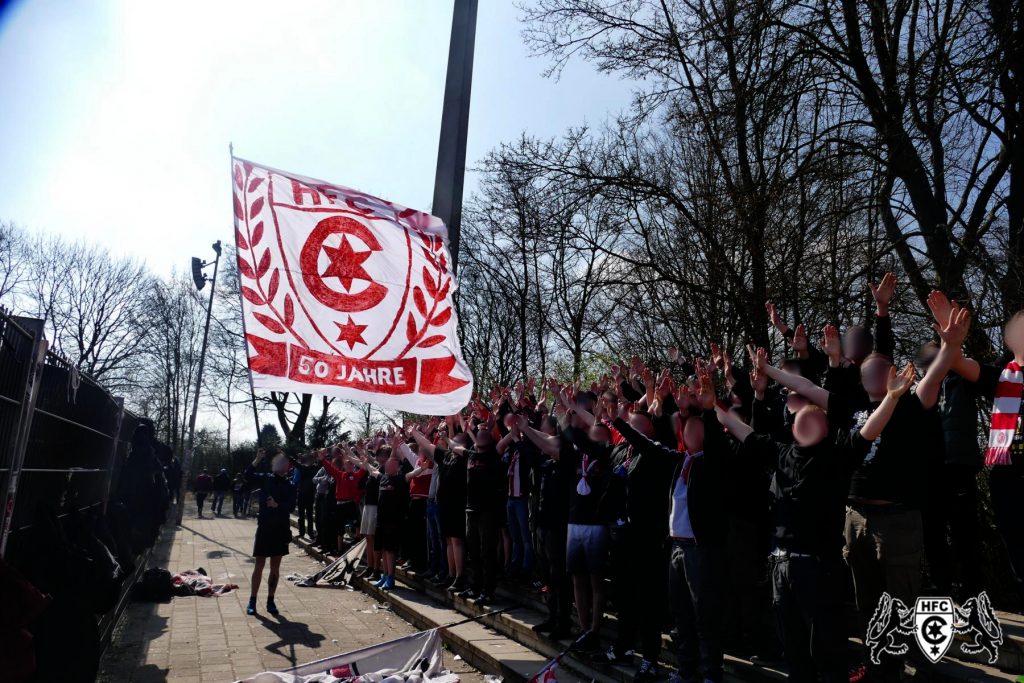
point(476, 642)
point(414, 599)
point(1011, 652)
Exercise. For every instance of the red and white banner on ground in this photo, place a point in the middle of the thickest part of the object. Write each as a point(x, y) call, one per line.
point(346, 294)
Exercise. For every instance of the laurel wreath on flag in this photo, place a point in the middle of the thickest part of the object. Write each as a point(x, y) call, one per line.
point(256, 270)
point(436, 285)
point(261, 284)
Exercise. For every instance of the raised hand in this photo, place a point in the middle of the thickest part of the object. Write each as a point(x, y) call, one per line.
point(727, 363)
point(716, 356)
point(957, 325)
point(940, 306)
point(758, 357)
point(665, 385)
point(672, 353)
point(898, 383)
point(883, 292)
point(648, 379)
point(775, 318)
point(705, 389)
point(759, 382)
point(830, 343)
point(799, 342)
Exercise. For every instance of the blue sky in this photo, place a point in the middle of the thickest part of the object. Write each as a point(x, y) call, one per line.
point(117, 115)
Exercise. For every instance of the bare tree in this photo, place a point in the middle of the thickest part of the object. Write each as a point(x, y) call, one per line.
point(95, 307)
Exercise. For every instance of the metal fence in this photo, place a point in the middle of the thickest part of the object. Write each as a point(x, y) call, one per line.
point(63, 438)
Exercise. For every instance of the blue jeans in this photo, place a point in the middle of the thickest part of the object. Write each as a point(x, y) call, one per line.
point(518, 510)
point(437, 558)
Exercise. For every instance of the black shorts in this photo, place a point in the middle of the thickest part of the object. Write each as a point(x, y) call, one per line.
point(453, 522)
point(271, 540)
point(346, 513)
point(387, 536)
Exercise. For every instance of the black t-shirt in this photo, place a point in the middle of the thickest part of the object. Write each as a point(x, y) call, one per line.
point(809, 487)
point(392, 499)
point(371, 489)
point(595, 457)
point(894, 464)
point(554, 480)
point(484, 481)
point(451, 485)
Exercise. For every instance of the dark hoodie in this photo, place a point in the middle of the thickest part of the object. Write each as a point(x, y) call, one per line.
point(809, 485)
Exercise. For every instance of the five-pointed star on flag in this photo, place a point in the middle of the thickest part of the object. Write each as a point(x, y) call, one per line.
point(351, 333)
point(346, 264)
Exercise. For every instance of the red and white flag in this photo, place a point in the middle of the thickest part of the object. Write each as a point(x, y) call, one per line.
point(346, 294)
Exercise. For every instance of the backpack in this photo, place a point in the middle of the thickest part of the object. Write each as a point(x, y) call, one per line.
point(154, 586)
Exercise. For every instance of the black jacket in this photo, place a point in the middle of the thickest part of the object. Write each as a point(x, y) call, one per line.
point(958, 411)
point(708, 490)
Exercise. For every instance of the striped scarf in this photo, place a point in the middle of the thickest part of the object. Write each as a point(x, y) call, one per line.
point(1005, 413)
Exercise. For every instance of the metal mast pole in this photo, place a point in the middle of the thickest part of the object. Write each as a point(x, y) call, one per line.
point(451, 149)
point(186, 467)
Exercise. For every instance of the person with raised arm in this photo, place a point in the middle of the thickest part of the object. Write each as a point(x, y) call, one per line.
point(273, 526)
point(555, 478)
point(585, 451)
point(857, 342)
point(347, 491)
point(451, 497)
point(695, 515)
point(1002, 384)
point(483, 511)
point(370, 485)
point(392, 502)
point(810, 480)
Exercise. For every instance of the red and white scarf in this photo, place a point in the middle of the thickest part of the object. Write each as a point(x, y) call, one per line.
point(1005, 413)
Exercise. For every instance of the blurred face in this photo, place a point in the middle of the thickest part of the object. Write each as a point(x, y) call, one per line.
point(856, 343)
point(795, 402)
point(599, 434)
point(874, 375)
point(642, 424)
point(1013, 335)
point(391, 467)
point(693, 434)
point(926, 355)
point(484, 440)
point(792, 366)
point(461, 439)
point(509, 421)
point(810, 426)
point(279, 465)
point(549, 426)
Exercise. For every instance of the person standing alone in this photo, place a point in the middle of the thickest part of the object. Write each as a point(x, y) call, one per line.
point(277, 500)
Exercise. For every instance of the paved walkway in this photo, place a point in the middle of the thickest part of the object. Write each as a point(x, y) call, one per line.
point(206, 640)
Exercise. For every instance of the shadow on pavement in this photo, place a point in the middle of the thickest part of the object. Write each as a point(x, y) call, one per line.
point(289, 633)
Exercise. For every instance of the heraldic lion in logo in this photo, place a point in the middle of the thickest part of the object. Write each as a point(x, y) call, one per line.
point(890, 629)
point(977, 618)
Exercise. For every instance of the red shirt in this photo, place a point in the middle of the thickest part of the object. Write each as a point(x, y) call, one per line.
point(419, 487)
point(346, 484)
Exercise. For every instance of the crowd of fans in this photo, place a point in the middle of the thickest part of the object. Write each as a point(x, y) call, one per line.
point(751, 501)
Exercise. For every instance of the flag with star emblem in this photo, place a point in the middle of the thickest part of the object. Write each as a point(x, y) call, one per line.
point(346, 294)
